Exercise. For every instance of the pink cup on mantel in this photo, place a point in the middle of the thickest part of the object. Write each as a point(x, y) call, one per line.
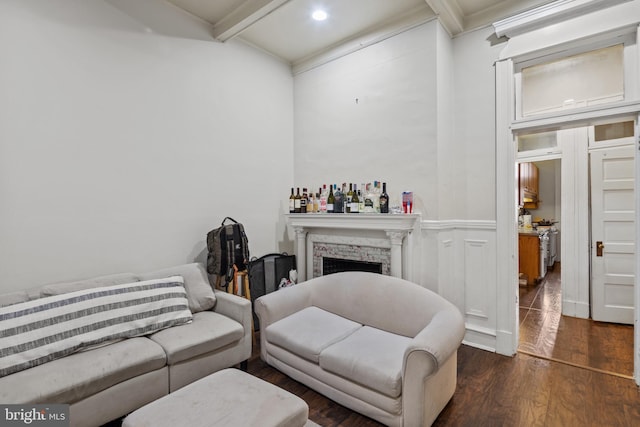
point(407, 201)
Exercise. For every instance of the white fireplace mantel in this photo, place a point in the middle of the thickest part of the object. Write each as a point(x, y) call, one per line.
point(396, 227)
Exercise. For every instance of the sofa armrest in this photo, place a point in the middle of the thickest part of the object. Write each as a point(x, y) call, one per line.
point(234, 307)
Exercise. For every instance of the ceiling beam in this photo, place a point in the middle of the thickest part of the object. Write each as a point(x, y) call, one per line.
point(450, 14)
point(248, 13)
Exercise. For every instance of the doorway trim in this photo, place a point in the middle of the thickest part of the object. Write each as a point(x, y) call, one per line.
point(579, 32)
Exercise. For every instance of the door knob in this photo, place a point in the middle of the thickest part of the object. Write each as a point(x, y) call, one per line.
point(599, 248)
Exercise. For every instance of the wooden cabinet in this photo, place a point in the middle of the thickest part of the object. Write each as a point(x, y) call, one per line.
point(529, 256)
point(528, 185)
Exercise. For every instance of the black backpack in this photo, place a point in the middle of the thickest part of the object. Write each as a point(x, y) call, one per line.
point(227, 246)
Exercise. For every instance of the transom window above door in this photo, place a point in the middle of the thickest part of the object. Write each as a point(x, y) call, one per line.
point(581, 80)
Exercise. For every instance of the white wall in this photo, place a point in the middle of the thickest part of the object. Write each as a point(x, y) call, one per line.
point(474, 124)
point(121, 147)
point(371, 115)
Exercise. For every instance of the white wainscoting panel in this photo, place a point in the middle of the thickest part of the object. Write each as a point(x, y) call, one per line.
point(466, 263)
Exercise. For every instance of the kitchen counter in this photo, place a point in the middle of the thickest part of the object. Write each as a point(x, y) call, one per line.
point(527, 231)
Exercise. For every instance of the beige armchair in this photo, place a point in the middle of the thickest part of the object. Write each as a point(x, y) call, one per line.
point(382, 346)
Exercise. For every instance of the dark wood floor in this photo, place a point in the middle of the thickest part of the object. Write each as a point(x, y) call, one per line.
point(496, 390)
point(545, 332)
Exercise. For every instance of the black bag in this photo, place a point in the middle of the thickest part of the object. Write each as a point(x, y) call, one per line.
point(227, 246)
point(265, 274)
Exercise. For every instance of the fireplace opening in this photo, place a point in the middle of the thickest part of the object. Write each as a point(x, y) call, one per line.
point(338, 265)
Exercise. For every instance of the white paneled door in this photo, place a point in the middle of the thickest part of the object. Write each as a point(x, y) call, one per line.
point(612, 234)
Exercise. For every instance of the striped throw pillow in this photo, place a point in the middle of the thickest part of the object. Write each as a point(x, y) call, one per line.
point(38, 331)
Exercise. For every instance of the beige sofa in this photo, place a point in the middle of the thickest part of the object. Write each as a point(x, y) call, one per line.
point(379, 345)
point(109, 381)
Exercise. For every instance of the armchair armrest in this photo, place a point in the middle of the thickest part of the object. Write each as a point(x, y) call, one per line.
point(277, 305)
point(429, 367)
point(439, 339)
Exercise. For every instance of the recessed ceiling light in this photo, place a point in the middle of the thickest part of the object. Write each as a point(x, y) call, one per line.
point(319, 15)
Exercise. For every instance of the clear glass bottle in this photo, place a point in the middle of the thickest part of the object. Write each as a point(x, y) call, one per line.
point(316, 202)
point(368, 199)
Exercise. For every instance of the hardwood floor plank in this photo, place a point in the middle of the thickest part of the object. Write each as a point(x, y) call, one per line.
point(495, 390)
point(583, 342)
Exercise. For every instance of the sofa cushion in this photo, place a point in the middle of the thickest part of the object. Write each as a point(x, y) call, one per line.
point(83, 374)
point(370, 357)
point(199, 291)
point(96, 282)
point(309, 331)
point(38, 331)
point(13, 298)
point(208, 332)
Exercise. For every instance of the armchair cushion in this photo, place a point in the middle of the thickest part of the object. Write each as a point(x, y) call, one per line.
point(370, 357)
point(309, 331)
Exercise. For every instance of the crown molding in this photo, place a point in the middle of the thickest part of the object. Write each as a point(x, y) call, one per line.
point(560, 10)
point(450, 14)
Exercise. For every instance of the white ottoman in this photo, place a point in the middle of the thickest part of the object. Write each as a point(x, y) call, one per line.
point(229, 398)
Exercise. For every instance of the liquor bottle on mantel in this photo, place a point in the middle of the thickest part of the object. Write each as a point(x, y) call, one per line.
point(310, 202)
point(368, 199)
point(292, 202)
point(331, 200)
point(296, 203)
point(384, 199)
point(376, 196)
point(323, 199)
point(316, 202)
point(355, 200)
point(338, 204)
point(303, 201)
point(349, 199)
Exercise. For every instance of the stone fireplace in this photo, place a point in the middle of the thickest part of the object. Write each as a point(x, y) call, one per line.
point(377, 241)
point(324, 249)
